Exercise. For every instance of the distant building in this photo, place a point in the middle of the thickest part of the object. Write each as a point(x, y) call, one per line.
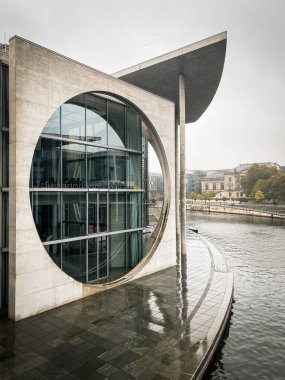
point(194, 181)
point(227, 182)
point(155, 185)
point(213, 181)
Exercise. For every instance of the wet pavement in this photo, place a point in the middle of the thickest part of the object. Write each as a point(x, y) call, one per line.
point(163, 326)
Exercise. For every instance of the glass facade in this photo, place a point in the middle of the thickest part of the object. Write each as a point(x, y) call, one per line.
point(5, 96)
point(73, 214)
point(52, 126)
point(86, 188)
point(46, 164)
point(96, 119)
point(97, 167)
point(73, 118)
point(46, 211)
point(74, 259)
point(73, 165)
point(116, 124)
point(4, 184)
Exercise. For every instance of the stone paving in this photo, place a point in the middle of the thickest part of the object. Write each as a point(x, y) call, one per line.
point(163, 326)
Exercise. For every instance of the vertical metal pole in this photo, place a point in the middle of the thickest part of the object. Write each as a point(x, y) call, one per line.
point(182, 163)
point(177, 187)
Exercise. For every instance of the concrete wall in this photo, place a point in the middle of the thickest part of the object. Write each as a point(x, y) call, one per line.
point(40, 81)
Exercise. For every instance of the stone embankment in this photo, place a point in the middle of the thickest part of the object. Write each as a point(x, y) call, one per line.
point(236, 209)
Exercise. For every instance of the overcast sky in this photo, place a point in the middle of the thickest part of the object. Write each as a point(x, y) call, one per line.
point(245, 121)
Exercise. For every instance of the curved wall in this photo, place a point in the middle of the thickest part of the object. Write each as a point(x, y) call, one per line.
point(40, 81)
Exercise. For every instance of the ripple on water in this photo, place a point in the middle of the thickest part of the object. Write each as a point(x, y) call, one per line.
point(254, 344)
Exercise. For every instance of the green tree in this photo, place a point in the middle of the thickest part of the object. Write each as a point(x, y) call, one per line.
point(192, 195)
point(275, 187)
point(259, 196)
point(255, 173)
point(207, 195)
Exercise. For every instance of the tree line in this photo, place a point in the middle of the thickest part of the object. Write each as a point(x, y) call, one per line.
point(260, 182)
point(263, 182)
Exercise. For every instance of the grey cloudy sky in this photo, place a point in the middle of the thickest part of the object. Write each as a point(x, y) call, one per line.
point(246, 120)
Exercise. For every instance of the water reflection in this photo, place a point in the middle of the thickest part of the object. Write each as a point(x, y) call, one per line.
point(254, 247)
point(142, 329)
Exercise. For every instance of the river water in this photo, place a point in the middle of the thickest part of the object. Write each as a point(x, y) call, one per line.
point(253, 345)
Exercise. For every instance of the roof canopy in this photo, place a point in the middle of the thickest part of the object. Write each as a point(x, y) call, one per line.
point(202, 65)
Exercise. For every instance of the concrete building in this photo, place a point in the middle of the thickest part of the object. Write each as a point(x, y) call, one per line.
point(72, 179)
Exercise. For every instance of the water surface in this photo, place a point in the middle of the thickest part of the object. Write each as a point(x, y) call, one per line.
point(254, 344)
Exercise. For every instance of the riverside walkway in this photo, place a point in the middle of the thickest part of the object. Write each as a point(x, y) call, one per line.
point(163, 326)
point(265, 211)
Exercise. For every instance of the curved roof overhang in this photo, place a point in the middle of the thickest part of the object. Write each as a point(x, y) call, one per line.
point(202, 65)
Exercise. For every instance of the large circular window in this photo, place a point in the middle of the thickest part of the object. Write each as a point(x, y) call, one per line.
point(86, 187)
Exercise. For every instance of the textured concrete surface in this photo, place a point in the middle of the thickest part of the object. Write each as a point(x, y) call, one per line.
point(40, 81)
point(202, 65)
point(162, 326)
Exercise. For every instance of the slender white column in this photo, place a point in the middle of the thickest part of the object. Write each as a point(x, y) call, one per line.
point(177, 187)
point(182, 163)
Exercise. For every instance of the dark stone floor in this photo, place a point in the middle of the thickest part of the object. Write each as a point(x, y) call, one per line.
point(152, 328)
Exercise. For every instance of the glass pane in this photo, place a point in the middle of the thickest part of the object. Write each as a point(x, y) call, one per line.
point(134, 254)
point(54, 250)
point(103, 213)
point(133, 130)
point(102, 256)
point(134, 171)
point(92, 260)
point(97, 167)
point(92, 213)
point(117, 211)
point(46, 164)
point(74, 214)
point(5, 220)
point(52, 126)
point(117, 169)
point(73, 165)
point(5, 159)
point(5, 96)
point(145, 164)
point(74, 259)
point(116, 124)
point(73, 118)
point(46, 212)
point(117, 254)
point(134, 210)
point(96, 119)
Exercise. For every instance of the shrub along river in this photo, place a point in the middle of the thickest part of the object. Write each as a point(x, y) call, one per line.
point(253, 346)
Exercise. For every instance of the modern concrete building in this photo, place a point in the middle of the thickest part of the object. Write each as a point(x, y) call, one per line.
point(189, 77)
point(73, 169)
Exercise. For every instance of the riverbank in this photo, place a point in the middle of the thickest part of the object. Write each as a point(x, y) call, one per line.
point(239, 210)
point(265, 211)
